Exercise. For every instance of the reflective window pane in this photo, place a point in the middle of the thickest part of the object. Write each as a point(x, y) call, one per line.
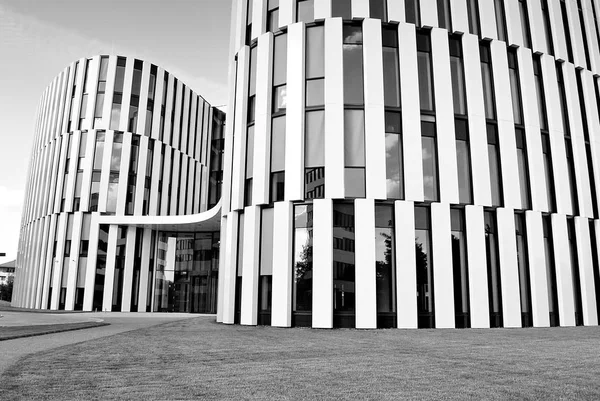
point(425, 81)
point(430, 173)
point(377, 9)
point(306, 11)
point(391, 77)
point(341, 8)
point(280, 60)
point(385, 258)
point(394, 167)
point(354, 138)
point(315, 92)
point(303, 223)
point(315, 52)
point(354, 181)
point(279, 98)
point(314, 152)
point(343, 258)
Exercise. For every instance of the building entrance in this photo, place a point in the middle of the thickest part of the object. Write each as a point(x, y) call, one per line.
point(186, 273)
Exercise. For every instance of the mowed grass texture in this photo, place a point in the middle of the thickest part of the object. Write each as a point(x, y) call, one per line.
point(200, 359)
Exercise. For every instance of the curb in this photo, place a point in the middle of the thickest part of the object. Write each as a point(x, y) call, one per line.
point(71, 327)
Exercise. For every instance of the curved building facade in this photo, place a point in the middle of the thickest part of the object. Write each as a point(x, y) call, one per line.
point(121, 148)
point(412, 164)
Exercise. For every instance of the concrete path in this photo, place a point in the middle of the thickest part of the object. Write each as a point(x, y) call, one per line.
point(12, 350)
point(12, 319)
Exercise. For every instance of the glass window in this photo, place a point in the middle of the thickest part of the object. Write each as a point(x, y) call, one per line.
point(515, 88)
point(385, 259)
point(354, 181)
point(523, 169)
point(494, 165)
point(500, 19)
point(341, 8)
point(115, 160)
point(548, 172)
point(137, 79)
point(280, 60)
point(391, 68)
point(443, 9)
point(524, 23)
point(473, 15)
point(458, 77)
point(460, 269)
point(253, 59)
point(429, 155)
point(306, 11)
point(303, 234)
point(412, 11)
point(539, 90)
point(273, 15)
point(315, 92)
point(550, 271)
point(113, 188)
point(394, 166)
point(343, 258)
point(354, 138)
point(353, 65)
point(95, 191)
point(378, 9)
point(250, 152)
point(278, 144)
point(576, 282)
point(425, 72)
point(572, 180)
point(424, 267)
point(493, 269)
point(547, 30)
point(523, 265)
point(279, 99)
point(488, 86)
point(315, 139)
point(463, 158)
point(315, 52)
point(314, 183)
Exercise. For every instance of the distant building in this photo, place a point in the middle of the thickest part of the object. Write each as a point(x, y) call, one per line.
point(7, 270)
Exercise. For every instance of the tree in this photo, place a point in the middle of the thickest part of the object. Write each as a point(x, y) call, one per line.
point(6, 290)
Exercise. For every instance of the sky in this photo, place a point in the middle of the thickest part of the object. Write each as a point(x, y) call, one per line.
point(39, 38)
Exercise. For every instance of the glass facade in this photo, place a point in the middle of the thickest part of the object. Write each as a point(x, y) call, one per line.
point(385, 265)
point(493, 269)
point(425, 306)
point(302, 266)
point(460, 270)
point(344, 293)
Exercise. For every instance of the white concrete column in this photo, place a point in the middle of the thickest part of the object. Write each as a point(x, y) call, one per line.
point(558, 32)
point(259, 17)
point(537, 27)
point(506, 127)
point(482, 193)
point(537, 269)
point(586, 271)
point(374, 111)
point(460, 16)
point(513, 23)
point(229, 271)
point(90, 272)
point(145, 270)
point(334, 109)
point(396, 12)
point(365, 274)
point(429, 15)
point(564, 278)
point(411, 114)
point(444, 111)
point(443, 281)
point(323, 9)
point(262, 124)
point(509, 269)
point(128, 269)
point(576, 34)
point(240, 124)
point(590, 31)
point(287, 12)
point(487, 19)
point(322, 315)
point(535, 161)
point(281, 304)
point(109, 275)
point(250, 269)
point(294, 135)
point(477, 262)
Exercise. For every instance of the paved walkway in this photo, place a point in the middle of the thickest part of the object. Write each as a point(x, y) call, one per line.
point(12, 350)
point(12, 319)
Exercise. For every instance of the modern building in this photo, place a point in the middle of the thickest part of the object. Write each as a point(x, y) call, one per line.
point(410, 164)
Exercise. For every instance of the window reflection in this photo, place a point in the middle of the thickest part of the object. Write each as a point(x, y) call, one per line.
point(385, 271)
point(523, 265)
point(391, 68)
point(341, 8)
point(424, 268)
point(411, 8)
point(303, 253)
point(493, 270)
point(353, 65)
point(429, 156)
point(278, 159)
point(378, 9)
point(550, 271)
point(305, 11)
point(343, 265)
point(394, 159)
point(460, 269)
point(272, 15)
point(425, 71)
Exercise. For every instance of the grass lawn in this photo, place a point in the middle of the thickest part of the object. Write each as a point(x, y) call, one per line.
point(199, 359)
